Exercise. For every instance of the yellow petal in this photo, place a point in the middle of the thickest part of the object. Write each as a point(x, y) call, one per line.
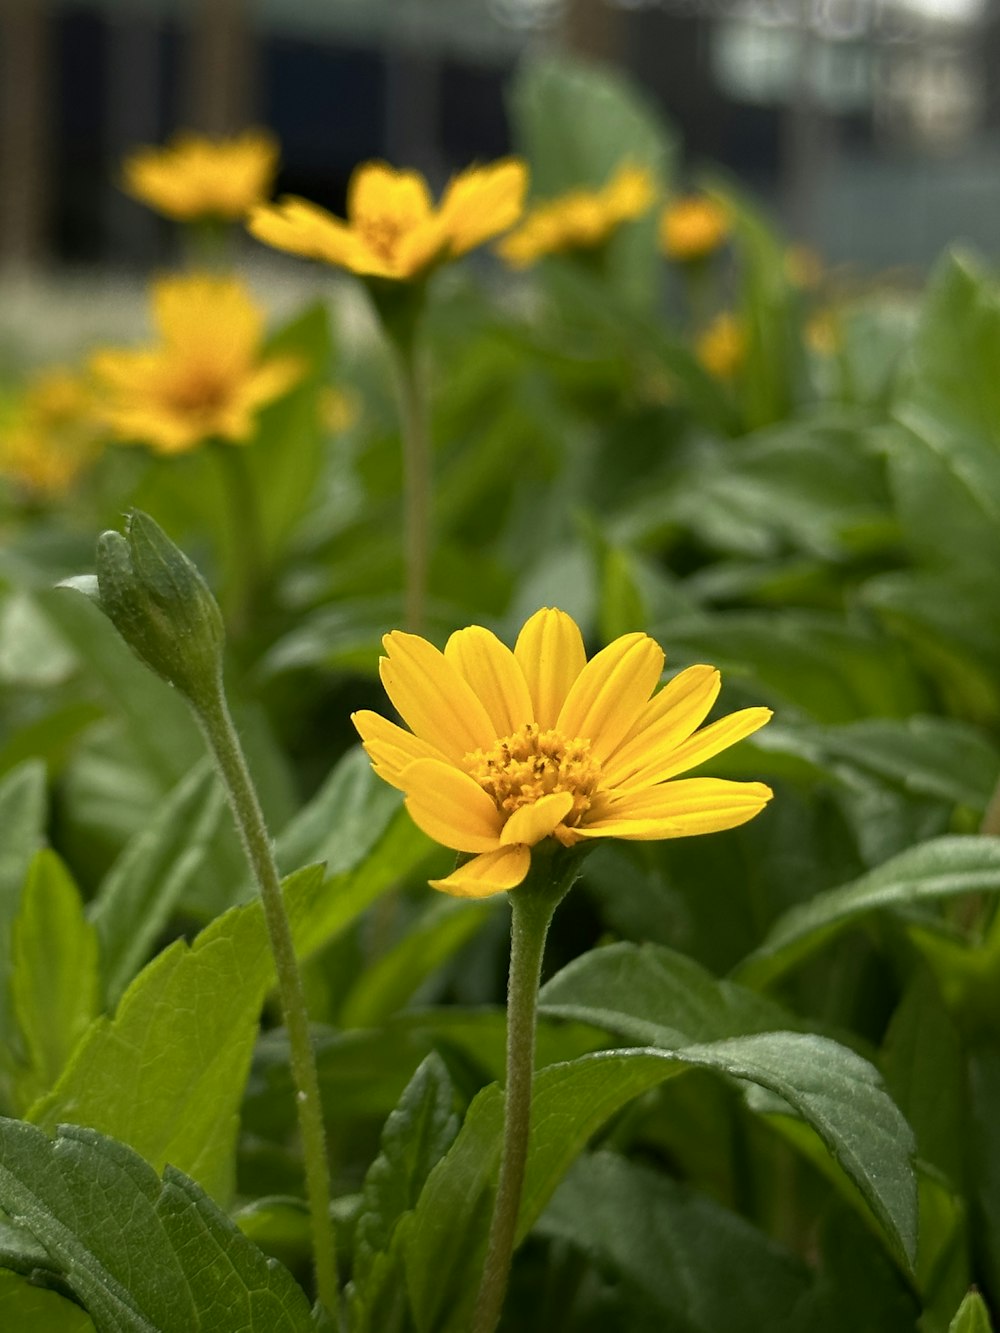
point(378, 192)
point(529, 824)
point(303, 228)
point(271, 379)
point(680, 809)
point(609, 693)
point(667, 719)
point(551, 655)
point(390, 748)
point(432, 698)
point(450, 807)
point(484, 876)
point(702, 745)
point(482, 202)
point(494, 676)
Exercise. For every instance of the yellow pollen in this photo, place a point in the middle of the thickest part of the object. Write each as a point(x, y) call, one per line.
point(532, 763)
point(382, 234)
point(197, 392)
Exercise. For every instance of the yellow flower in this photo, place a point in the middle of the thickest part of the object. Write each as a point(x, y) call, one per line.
point(51, 434)
point(205, 378)
point(722, 348)
point(824, 332)
point(393, 229)
point(580, 219)
point(508, 749)
point(195, 177)
point(693, 228)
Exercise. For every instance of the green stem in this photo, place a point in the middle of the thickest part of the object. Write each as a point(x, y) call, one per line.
point(532, 907)
point(213, 714)
point(246, 535)
point(416, 481)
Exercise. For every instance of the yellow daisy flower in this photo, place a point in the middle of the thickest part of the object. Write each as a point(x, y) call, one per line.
point(196, 177)
point(580, 219)
point(51, 434)
point(393, 229)
point(508, 749)
point(693, 228)
point(205, 378)
point(722, 347)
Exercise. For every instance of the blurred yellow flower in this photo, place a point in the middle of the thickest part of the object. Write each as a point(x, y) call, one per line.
point(50, 435)
point(196, 177)
point(693, 228)
point(722, 347)
point(580, 219)
point(393, 229)
point(824, 332)
point(204, 379)
point(508, 749)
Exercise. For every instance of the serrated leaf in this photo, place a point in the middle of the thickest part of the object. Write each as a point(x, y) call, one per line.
point(143, 887)
point(25, 1306)
point(416, 1136)
point(972, 1316)
point(941, 868)
point(142, 1255)
point(54, 984)
point(166, 1074)
point(700, 1266)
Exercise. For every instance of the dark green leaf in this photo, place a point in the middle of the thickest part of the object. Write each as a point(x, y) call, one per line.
point(938, 869)
point(972, 1316)
point(143, 1256)
point(23, 811)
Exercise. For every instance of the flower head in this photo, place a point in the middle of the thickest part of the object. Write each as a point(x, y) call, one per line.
point(205, 377)
point(722, 347)
point(580, 219)
point(51, 434)
point(393, 229)
point(507, 749)
point(693, 228)
point(195, 177)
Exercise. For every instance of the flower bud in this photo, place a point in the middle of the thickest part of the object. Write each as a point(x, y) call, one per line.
point(160, 605)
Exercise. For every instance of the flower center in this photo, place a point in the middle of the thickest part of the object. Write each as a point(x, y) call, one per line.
point(533, 763)
point(198, 392)
point(382, 234)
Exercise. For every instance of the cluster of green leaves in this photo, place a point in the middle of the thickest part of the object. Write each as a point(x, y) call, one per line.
point(768, 1061)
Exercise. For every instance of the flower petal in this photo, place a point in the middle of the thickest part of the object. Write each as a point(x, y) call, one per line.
point(481, 202)
point(531, 823)
point(450, 806)
point(609, 693)
point(667, 719)
point(679, 809)
point(378, 192)
point(702, 745)
point(551, 655)
point(390, 748)
point(483, 876)
point(434, 701)
point(493, 674)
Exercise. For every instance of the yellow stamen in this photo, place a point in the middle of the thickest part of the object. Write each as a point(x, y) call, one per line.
point(531, 763)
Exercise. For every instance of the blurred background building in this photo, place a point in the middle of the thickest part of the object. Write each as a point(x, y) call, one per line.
point(871, 128)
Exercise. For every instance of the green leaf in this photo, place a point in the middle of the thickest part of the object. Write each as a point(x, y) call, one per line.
point(576, 124)
point(24, 1306)
point(143, 1256)
point(834, 1090)
point(166, 1074)
point(416, 1136)
point(972, 1316)
point(23, 811)
point(941, 868)
point(55, 983)
point(146, 882)
point(385, 985)
point(702, 1268)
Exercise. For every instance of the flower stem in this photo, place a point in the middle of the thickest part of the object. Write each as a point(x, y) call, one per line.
point(246, 534)
point(533, 905)
point(416, 481)
point(217, 724)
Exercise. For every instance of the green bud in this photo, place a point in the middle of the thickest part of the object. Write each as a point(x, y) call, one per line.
point(161, 606)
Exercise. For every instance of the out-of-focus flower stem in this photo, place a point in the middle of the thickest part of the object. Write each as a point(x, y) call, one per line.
point(416, 481)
